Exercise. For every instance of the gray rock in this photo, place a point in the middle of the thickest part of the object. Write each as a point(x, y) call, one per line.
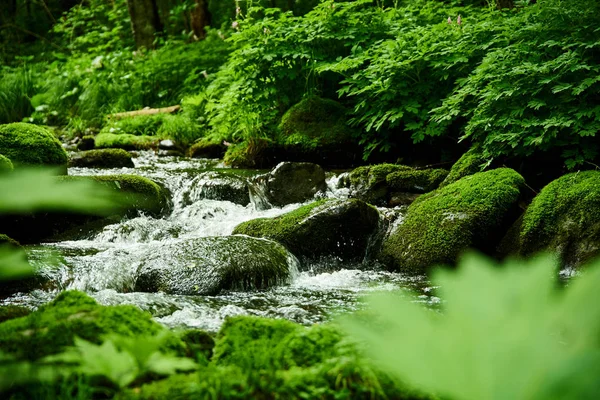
point(291, 182)
point(215, 185)
point(167, 144)
point(207, 266)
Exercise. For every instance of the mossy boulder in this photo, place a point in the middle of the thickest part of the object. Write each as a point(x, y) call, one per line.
point(217, 185)
point(209, 265)
point(54, 326)
point(565, 218)
point(104, 158)
point(469, 164)
point(126, 141)
point(5, 164)
point(291, 182)
point(11, 312)
point(472, 212)
point(392, 184)
point(135, 193)
point(207, 148)
point(27, 144)
point(339, 228)
point(316, 130)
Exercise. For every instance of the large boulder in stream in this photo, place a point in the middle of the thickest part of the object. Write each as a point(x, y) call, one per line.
point(393, 184)
point(472, 212)
point(135, 194)
point(52, 327)
point(209, 265)
point(339, 228)
point(31, 145)
point(291, 182)
point(103, 158)
point(217, 185)
point(564, 218)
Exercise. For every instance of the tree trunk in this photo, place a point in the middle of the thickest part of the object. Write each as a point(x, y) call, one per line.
point(505, 4)
point(200, 18)
point(145, 21)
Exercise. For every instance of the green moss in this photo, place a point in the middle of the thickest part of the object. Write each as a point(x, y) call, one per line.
point(5, 164)
point(315, 122)
point(199, 344)
point(309, 347)
point(246, 154)
point(565, 217)
point(104, 158)
point(369, 183)
point(323, 228)
point(180, 128)
point(141, 125)
point(416, 181)
point(207, 148)
point(12, 312)
point(126, 141)
point(469, 164)
point(27, 144)
point(441, 224)
point(54, 325)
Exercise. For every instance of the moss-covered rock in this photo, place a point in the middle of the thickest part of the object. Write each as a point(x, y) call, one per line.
point(5, 164)
point(126, 141)
point(27, 144)
point(5, 239)
point(565, 217)
point(104, 158)
point(206, 266)
point(469, 164)
point(324, 228)
point(247, 154)
point(473, 212)
point(198, 343)
point(291, 183)
point(368, 183)
point(53, 326)
point(135, 193)
point(87, 142)
point(11, 312)
point(217, 185)
point(207, 148)
point(415, 180)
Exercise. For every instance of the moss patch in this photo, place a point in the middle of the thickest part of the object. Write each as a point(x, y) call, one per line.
point(12, 312)
point(416, 181)
point(27, 144)
point(565, 217)
point(54, 325)
point(323, 228)
point(443, 223)
point(105, 158)
point(5, 164)
point(4, 239)
point(207, 148)
point(469, 164)
point(126, 141)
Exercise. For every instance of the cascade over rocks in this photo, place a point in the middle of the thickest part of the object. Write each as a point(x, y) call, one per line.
point(340, 228)
point(564, 218)
point(438, 226)
point(215, 185)
point(291, 182)
point(103, 158)
point(209, 265)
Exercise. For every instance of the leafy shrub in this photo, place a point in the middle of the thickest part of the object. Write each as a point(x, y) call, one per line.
point(16, 90)
point(505, 328)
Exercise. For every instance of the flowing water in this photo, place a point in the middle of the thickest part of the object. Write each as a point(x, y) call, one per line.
point(104, 265)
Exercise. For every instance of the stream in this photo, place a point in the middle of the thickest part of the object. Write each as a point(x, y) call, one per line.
point(102, 265)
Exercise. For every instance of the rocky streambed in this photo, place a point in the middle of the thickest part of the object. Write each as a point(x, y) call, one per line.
point(185, 267)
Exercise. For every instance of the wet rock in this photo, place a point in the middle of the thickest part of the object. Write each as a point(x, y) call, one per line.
point(87, 142)
point(215, 185)
point(103, 158)
point(206, 148)
point(55, 325)
point(392, 184)
point(167, 144)
point(27, 144)
point(209, 265)
point(292, 183)
point(170, 153)
point(135, 194)
point(340, 228)
point(472, 212)
point(564, 218)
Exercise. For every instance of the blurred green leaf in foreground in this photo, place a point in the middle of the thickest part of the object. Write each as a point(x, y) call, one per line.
point(504, 333)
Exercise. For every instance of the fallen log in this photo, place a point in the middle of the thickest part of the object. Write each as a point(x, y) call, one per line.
point(145, 111)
